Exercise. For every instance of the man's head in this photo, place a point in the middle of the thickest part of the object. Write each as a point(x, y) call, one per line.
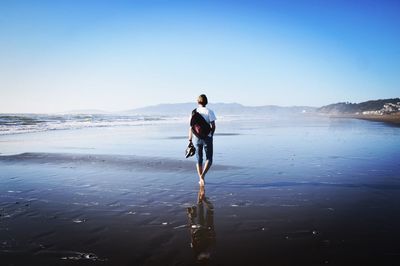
point(202, 100)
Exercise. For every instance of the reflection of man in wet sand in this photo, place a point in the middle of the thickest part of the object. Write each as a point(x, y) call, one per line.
point(202, 229)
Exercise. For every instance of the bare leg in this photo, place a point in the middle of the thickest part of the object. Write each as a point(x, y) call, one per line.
point(200, 173)
point(207, 166)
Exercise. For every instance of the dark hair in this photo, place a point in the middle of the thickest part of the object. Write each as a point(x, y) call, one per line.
point(202, 99)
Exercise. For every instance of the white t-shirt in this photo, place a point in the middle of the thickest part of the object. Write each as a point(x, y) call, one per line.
point(208, 114)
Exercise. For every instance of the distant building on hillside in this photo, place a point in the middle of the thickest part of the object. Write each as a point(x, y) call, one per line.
point(388, 108)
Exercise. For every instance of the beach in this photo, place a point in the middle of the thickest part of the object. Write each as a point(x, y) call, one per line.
point(296, 103)
point(389, 119)
point(393, 119)
point(316, 192)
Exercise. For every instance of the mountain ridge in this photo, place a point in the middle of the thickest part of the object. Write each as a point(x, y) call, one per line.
point(220, 108)
point(381, 106)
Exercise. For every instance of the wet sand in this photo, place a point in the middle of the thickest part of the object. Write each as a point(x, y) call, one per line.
point(74, 209)
point(393, 119)
point(120, 162)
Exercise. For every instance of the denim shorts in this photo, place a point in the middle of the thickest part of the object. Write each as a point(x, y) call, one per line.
point(207, 144)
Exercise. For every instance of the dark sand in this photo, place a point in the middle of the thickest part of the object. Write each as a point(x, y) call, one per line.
point(71, 209)
point(393, 119)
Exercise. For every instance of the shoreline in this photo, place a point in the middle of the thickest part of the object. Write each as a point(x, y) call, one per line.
point(392, 119)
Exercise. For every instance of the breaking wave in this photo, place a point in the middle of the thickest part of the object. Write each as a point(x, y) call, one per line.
point(25, 123)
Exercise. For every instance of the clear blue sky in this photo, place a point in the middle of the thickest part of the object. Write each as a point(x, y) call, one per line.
point(117, 55)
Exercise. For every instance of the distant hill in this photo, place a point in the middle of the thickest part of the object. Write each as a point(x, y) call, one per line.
point(355, 108)
point(221, 109)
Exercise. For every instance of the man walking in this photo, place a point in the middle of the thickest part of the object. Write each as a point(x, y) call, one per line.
point(204, 141)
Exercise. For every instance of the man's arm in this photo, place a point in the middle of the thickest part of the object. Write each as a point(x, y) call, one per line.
point(213, 127)
point(190, 134)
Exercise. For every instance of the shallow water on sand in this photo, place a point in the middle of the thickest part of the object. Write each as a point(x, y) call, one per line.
point(288, 192)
